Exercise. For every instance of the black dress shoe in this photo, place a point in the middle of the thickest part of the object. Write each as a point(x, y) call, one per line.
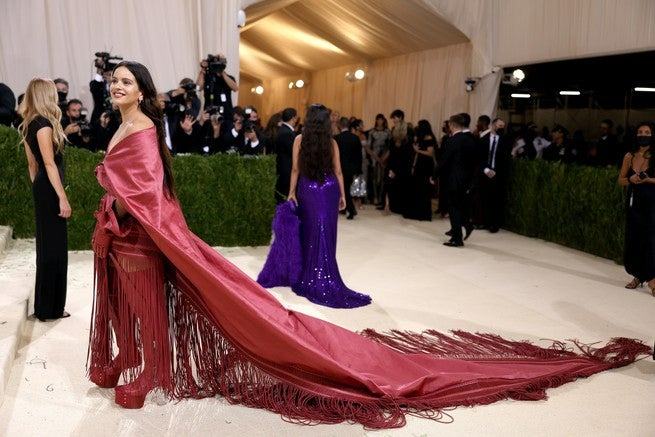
point(493, 230)
point(350, 216)
point(469, 231)
point(449, 232)
point(451, 243)
point(63, 316)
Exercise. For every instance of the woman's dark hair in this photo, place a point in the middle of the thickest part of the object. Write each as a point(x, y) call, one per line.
point(354, 124)
point(385, 125)
point(635, 146)
point(315, 157)
point(150, 107)
point(423, 129)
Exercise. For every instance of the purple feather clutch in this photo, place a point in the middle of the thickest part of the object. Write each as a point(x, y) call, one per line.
point(284, 260)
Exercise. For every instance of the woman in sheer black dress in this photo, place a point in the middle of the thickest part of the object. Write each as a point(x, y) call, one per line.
point(420, 186)
point(638, 174)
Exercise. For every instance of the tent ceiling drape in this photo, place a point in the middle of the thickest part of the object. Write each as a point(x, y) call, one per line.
point(285, 37)
point(416, 53)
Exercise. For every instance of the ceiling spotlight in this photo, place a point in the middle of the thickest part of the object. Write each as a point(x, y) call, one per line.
point(645, 89)
point(291, 85)
point(518, 74)
point(470, 84)
point(300, 83)
point(520, 96)
point(569, 93)
point(359, 74)
point(259, 89)
point(515, 78)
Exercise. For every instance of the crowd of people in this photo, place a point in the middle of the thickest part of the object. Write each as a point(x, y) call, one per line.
point(170, 313)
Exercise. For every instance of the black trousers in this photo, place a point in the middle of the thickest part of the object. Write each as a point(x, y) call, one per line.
point(347, 182)
point(459, 212)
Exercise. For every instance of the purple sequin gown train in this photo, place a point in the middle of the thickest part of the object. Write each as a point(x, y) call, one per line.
point(319, 279)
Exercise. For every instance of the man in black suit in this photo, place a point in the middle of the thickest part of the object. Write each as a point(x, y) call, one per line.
point(458, 163)
point(283, 148)
point(350, 155)
point(608, 149)
point(492, 174)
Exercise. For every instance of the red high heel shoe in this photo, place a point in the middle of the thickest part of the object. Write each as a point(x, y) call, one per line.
point(133, 395)
point(106, 377)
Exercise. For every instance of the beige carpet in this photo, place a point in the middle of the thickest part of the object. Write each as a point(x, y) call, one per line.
point(503, 283)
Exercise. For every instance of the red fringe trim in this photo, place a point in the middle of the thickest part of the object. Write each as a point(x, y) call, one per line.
point(465, 345)
point(201, 361)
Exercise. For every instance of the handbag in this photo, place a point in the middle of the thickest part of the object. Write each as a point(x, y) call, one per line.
point(358, 187)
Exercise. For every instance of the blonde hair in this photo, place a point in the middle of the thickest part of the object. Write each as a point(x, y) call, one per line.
point(41, 99)
point(399, 133)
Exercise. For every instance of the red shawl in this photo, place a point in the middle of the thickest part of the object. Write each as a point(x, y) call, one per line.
point(232, 337)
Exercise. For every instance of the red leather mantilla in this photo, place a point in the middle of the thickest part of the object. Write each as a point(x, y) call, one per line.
point(307, 369)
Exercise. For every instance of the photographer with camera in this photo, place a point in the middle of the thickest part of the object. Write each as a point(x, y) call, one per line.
point(211, 132)
point(218, 87)
point(76, 126)
point(181, 130)
point(187, 96)
point(104, 64)
point(244, 137)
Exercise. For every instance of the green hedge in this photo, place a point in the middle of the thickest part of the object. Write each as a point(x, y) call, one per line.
point(227, 200)
point(576, 206)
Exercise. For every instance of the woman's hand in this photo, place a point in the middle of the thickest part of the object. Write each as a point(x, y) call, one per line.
point(64, 208)
point(342, 203)
point(187, 123)
point(292, 197)
point(635, 179)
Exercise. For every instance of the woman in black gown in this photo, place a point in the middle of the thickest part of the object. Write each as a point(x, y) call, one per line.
point(421, 187)
point(43, 139)
point(398, 163)
point(638, 174)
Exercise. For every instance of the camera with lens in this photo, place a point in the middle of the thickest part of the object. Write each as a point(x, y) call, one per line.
point(190, 89)
point(211, 110)
point(248, 126)
point(85, 127)
point(174, 108)
point(104, 61)
point(216, 64)
point(81, 121)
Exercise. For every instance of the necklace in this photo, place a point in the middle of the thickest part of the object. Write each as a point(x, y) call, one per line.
point(127, 124)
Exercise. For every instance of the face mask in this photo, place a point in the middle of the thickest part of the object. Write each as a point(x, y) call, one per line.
point(500, 131)
point(643, 140)
point(61, 96)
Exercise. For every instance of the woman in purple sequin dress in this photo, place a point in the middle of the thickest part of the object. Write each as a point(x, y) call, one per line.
point(317, 189)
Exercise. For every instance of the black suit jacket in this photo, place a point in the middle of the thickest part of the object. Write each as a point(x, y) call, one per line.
point(283, 148)
point(502, 158)
point(459, 161)
point(350, 152)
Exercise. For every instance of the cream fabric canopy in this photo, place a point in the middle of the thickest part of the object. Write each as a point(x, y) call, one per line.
point(416, 53)
point(285, 38)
